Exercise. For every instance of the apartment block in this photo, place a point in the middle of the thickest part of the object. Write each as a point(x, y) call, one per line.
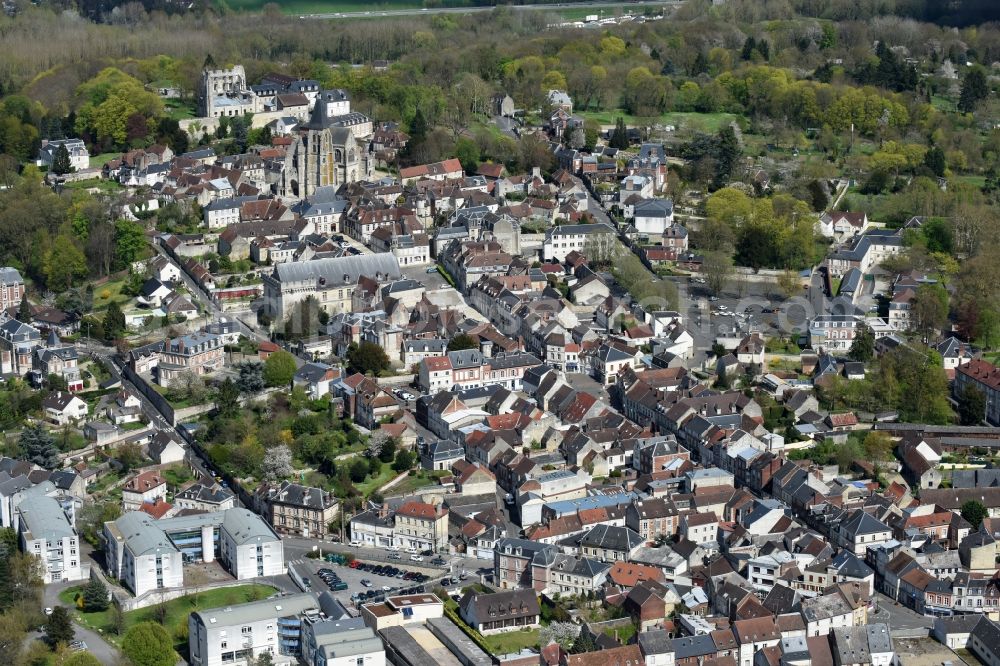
point(235, 635)
point(44, 530)
point(147, 554)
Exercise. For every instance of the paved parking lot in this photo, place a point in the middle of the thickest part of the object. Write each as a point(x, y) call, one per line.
point(707, 319)
point(308, 568)
point(431, 281)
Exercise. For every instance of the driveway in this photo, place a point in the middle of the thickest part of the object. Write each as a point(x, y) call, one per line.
point(96, 645)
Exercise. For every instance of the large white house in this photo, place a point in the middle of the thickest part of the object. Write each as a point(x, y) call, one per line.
point(653, 216)
point(834, 332)
point(565, 238)
point(79, 157)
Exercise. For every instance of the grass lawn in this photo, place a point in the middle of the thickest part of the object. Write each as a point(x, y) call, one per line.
point(371, 484)
point(181, 109)
point(177, 614)
point(513, 641)
point(103, 483)
point(177, 475)
point(101, 159)
point(70, 441)
point(776, 346)
point(624, 633)
point(976, 181)
point(422, 479)
point(320, 7)
point(702, 122)
point(106, 186)
point(107, 292)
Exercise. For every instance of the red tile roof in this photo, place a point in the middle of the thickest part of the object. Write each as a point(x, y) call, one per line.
point(156, 509)
point(421, 510)
point(843, 420)
point(983, 372)
point(435, 169)
point(144, 481)
point(438, 363)
point(621, 656)
point(628, 574)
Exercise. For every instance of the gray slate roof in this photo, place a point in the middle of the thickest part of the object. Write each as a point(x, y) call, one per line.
point(333, 270)
point(45, 519)
point(255, 611)
point(295, 494)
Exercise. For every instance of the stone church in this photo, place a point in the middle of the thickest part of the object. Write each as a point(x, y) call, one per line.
point(333, 148)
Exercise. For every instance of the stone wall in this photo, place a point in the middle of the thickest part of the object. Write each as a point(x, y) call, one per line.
point(210, 124)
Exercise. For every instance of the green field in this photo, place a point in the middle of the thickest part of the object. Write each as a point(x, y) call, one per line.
point(704, 122)
point(320, 7)
point(177, 610)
